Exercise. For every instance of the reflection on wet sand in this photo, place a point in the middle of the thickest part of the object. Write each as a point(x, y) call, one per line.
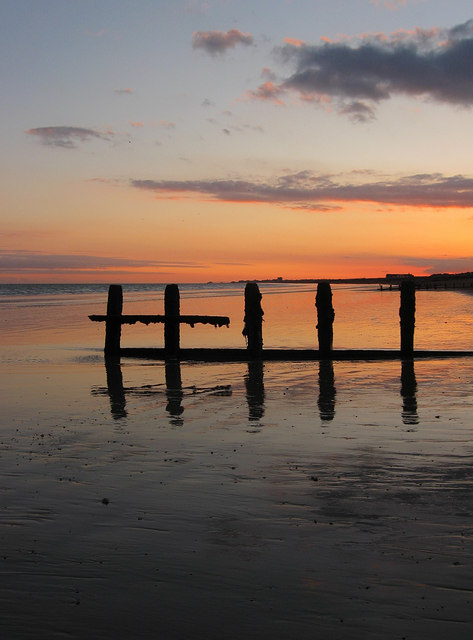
point(408, 393)
point(115, 387)
point(174, 392)
point(327, 391)
point(255, 390)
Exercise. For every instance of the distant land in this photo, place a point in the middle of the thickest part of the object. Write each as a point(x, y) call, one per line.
point(434, 281)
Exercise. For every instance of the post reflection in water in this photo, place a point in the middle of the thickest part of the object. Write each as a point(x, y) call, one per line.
point(408, 392)
point(174, 392)
point(327, 391)
point(255, 390)
point(115, 388)
point(172, 389)
point(255, 393)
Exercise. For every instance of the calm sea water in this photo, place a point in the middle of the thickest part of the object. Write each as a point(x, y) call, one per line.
point(55, 316)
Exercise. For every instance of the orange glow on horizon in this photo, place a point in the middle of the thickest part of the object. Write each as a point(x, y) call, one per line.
point(215, 273)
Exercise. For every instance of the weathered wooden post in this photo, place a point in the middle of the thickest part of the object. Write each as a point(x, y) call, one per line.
point(253, 329)
point(171, 322)
point(407, 312)
point(325, 317)
point(113, 327)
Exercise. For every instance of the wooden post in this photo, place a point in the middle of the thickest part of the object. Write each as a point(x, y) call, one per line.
point(253, 329)
point(113, 327)
point(407, 312)
point(171, 323)
point(325, 317)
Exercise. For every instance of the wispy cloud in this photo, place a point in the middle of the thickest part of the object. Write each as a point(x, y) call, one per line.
point(443, 264)
point(195, 6)
point(95, 34)
point(217, 42)
point(411, 263)
point(268, 91)
point(394, 5)
point(167, 124)
point(358, 111)
point(294, 42)
point(318, 192)
point(39, 261)
point(67, 137)
point(355, 74)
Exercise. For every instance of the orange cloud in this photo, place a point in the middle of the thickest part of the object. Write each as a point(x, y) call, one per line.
point(294, 41)
point(266, 91)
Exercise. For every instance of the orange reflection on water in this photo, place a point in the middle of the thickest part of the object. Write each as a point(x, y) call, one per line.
point(364, 318)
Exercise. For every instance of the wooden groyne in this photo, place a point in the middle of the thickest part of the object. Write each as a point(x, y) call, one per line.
point(253, 331)
point(172, 319)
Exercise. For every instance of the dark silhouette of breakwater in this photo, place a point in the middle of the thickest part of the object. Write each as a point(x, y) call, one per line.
point(253, 333)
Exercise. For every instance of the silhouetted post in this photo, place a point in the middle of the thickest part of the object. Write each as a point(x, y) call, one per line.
point(253, 329)
point(325, 317)
point(171, 323)
point(113, 327)
point(407, 312)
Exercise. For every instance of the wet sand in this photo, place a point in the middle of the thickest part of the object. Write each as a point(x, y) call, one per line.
point(231, 501)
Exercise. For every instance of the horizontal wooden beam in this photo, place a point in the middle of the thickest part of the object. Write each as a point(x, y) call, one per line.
point(216, 321)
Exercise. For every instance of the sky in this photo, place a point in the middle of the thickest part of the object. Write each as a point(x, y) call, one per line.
point(218, 140)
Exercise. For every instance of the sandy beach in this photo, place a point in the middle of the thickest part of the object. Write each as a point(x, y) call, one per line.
point(228, 501)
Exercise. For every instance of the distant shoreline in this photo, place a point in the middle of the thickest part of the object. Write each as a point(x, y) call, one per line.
point(436, 280)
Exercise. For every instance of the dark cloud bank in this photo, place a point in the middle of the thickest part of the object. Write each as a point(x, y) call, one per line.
point(309, 191)
point(357, 74)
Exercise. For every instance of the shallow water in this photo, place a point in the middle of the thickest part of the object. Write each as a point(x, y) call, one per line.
point(284, 500)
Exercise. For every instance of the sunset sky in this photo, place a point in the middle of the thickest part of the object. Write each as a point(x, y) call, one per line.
point(191, 140)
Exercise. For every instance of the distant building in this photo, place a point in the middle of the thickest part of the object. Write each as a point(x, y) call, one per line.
point(396, 277)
